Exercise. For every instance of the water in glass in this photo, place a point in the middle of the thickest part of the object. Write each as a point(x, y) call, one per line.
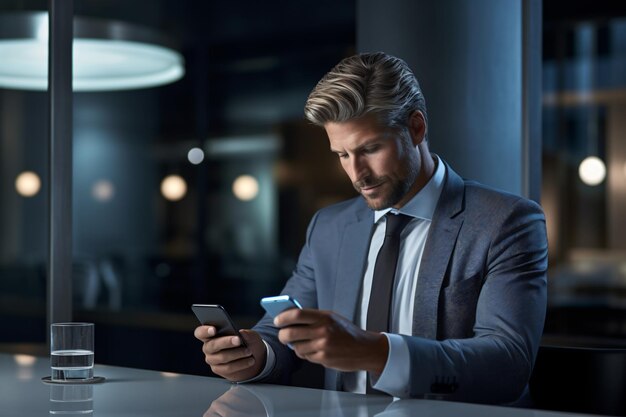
point(72, 364)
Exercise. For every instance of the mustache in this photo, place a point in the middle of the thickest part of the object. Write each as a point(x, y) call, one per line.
point(368, 182)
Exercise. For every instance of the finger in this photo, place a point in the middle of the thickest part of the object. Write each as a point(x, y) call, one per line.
point(227, 356)
point(233, 367)
point(204, 333)
point(301, 349)
point(291, 334)
point(298, 316)
point(314, 356)
point(300, 333)
point(253, 340)
point(216, 344)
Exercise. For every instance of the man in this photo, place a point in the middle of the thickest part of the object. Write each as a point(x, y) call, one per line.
point(468, 293)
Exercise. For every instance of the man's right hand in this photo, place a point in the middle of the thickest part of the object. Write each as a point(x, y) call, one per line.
point(227, 358)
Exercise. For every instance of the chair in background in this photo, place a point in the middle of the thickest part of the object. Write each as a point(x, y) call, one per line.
point(580, 379)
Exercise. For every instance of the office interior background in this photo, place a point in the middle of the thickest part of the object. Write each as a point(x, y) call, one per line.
point(229, 228)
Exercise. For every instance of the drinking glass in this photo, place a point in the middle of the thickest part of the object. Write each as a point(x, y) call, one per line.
point(71, 351)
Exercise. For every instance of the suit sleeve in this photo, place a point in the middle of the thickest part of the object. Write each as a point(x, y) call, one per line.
point(493, 365)
point(301, 286)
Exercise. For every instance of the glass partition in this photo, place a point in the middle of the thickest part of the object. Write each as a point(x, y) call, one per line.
point(196, 191)
point(584, 176)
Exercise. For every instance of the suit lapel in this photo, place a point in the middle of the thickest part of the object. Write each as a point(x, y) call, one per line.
point(351, 266)
point(440, 243)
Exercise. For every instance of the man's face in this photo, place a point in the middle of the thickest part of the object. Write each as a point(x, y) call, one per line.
point(382, 163)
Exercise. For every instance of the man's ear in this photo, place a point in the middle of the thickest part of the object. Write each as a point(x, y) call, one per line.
point(417, 127)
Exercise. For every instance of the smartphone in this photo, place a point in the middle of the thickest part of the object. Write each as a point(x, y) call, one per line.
point(276, 305)
point(216, 316)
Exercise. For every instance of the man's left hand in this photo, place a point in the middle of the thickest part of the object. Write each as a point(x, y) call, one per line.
point(330, 340)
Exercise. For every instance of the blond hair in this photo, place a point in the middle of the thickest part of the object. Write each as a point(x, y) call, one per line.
point(364, 84)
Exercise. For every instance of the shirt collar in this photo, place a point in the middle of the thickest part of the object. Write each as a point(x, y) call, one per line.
point(423, 204)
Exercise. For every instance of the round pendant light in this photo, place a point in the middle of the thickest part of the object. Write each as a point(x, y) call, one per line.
point(108, 55)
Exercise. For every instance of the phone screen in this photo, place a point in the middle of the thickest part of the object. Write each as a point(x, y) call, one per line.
point(215, 315)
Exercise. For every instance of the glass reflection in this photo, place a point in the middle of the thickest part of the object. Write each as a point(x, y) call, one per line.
point(240, 401)
point(266, 401)
point(338, 404)
point(71, 399)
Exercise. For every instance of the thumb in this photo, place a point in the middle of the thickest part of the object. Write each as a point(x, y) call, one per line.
point(254, 342)
point(250, 336)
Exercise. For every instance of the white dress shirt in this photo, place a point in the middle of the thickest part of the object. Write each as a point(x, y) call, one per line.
point(394, 379)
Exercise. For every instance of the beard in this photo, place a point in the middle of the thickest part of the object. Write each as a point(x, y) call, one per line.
point(395, 187)
point(391, 191)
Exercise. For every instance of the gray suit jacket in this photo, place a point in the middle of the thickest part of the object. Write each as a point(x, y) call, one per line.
point(481, 292)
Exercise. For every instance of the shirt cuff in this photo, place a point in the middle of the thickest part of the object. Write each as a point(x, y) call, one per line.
point(395, 378)
point(269, 365)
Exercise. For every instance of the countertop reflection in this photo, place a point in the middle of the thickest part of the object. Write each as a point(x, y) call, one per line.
point(135, 392)
point(130, 392)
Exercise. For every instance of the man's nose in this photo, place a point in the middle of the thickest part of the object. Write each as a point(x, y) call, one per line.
point(359, 168)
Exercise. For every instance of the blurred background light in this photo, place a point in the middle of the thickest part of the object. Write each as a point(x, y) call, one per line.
point(195, 156)
point(245, 187)
point(24, 360)
point(173, 187)
point(103, 190)
point(28, 184)
point(592, 170)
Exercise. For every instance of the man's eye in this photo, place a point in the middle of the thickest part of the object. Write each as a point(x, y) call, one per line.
point(342, 155)
point(371, 149)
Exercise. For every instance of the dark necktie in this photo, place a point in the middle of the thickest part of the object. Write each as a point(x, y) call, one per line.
point(382, 281)
point(384, 273)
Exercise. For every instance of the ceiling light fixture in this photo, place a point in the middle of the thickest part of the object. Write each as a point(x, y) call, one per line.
point(108, 55)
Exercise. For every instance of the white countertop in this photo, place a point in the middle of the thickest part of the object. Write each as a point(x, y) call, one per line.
point(135, 392)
